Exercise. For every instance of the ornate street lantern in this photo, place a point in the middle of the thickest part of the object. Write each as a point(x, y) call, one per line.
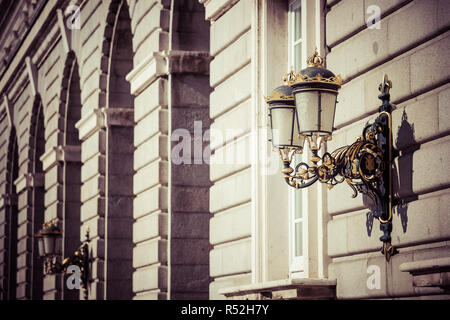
point(366, 165)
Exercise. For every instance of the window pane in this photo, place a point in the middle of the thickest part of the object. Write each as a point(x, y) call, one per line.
point(298, 239)
point(297, 24)
point(298, 57)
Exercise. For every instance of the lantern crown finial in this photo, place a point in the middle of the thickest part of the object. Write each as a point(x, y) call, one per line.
point(315, 60)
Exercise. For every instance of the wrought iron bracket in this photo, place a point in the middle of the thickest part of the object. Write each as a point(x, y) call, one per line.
point(365, 165)
point(79, 258)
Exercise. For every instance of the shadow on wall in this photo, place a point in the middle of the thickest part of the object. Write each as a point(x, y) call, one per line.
point(402, 175)
point(403, 171)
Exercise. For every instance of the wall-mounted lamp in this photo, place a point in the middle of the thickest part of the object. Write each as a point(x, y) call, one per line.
point(50, 250)
point(304, 109)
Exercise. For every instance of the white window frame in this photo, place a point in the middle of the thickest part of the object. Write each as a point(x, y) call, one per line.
point(297, 264)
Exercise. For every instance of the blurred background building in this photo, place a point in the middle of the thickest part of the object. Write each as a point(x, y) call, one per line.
point(97, 96)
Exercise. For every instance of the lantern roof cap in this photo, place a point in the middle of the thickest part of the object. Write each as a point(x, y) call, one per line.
point(315, 73)
point(281, 94)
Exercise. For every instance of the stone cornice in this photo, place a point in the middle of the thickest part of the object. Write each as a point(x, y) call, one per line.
point(28, 180)
point(33, 36)
point(99, 119)
point(188, 61)
point(429, 273)
point(146, 72)
point(294, 288)
point(60, 154)
point(216, 8)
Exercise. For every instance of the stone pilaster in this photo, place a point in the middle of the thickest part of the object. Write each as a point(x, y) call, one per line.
point(106, 199)
point(29, 189)
point(149, 85)
point(189, 180)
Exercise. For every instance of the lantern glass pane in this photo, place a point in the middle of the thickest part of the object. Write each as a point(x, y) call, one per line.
point(328, 107)
point(282, 125)
point(298, 140)
point(41, 246)
point(49, 244)
point(307, 103)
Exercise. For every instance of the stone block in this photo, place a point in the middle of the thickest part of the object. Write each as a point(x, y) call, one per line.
point(120, 185)
point(351, 278)
point(152, 174)
point(157, 41)
point(189, 251)
point(23, 276)
point(189, 225)
point(423, 179)
point(152, 149)
point(426, 69)
point(153, 20)
point(150, 98)
point(95, 144)
point(340, 192)
point(25, 214)
point(231, 59)
point(51, 282)
point(415, 122)
point(444, 110)
point(350, 11)
point(24, 230)
point(98, 269)
point(153, 123)
point(150, 252)
point(232, 158)
point(443, 14)
point(150, 226)
point(399, 283)
point(151, 200)
point(22, 291)
point(230, 26)
point(92, 188)
point(190, 90)
point(227, 282)
point(97, 248)
point(337, 236)
point(399, 72)
point(236, 122)
point(93, 166)
point(154, 277)
point(231, 258)
point(190, 199)
point(190, 174)
point(53, 211)
point(231, 224)
point(150, 295)
point(92, 207)
point(412, 23)
point(189, 279)
point(230, 191)
point(54, 194)
point(350, 104)
point(23, 260)
point(96, 228)
point(231, 92)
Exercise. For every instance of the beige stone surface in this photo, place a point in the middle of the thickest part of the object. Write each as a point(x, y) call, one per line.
point(230, 258)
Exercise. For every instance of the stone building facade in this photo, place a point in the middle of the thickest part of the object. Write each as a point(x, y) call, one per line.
point(144, 122)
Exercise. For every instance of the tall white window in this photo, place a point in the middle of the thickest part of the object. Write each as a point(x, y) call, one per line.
point(298, 198)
